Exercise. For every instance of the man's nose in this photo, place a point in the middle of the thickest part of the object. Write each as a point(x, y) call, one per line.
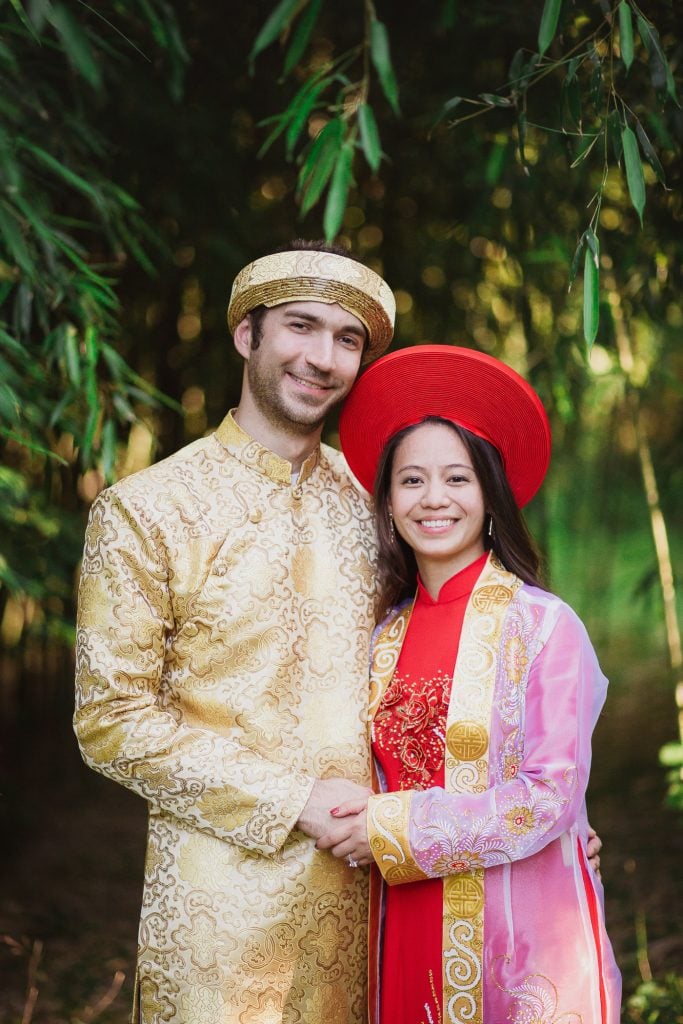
point(320, 353)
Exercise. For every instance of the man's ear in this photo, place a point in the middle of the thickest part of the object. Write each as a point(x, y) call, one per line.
point(242, 337)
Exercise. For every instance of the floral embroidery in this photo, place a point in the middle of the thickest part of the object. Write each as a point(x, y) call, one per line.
point(519, 820)
point(410, 726)
point(534, 999)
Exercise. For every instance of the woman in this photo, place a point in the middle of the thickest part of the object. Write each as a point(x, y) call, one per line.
point(484, 693)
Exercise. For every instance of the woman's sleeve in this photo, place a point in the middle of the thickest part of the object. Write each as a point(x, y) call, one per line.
point(125, 619)
point(430, 834)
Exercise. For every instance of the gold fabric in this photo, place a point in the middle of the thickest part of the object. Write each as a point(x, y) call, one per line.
point(307, 275)
point(224, 620)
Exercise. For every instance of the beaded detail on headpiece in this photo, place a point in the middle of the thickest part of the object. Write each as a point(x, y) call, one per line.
point(308, 275)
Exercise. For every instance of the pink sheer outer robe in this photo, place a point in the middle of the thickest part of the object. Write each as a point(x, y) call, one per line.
point(508, 831)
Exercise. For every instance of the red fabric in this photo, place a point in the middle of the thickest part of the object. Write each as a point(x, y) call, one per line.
point(595, 924)
point(408, 742)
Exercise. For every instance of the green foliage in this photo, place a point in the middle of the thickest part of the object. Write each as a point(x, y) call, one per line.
point(656, 1003)
point(67, 228)
point(548, 25)
point(671, 756)
point(347, 121)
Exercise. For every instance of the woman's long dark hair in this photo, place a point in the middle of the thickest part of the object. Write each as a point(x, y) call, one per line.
point(511, 541)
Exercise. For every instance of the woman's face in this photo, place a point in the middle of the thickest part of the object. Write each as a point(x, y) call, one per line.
point(436, 500)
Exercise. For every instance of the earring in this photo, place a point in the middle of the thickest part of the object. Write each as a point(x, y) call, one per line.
point(491, 530)
point(392, 531)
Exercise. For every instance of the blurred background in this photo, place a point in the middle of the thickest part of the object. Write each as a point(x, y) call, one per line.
point(516, 178)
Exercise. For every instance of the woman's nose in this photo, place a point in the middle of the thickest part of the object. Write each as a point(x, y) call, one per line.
point(434, 495)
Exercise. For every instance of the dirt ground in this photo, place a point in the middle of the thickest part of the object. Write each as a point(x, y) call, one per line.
point(72, 854)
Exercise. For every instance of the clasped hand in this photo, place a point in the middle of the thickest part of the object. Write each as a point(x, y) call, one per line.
point(335, 817)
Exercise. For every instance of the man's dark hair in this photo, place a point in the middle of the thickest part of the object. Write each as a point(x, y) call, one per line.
point(257, 314)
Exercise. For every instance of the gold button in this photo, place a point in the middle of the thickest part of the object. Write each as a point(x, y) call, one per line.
point(256, 515)
point(297, 493)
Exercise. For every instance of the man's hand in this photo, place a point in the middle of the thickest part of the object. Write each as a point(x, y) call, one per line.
point(593, 847)
point(315, 819)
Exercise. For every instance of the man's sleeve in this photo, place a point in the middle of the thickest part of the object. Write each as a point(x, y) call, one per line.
point(416, 835)
point(125, 619)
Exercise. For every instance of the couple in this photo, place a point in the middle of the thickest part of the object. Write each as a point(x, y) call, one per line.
point(226, 603)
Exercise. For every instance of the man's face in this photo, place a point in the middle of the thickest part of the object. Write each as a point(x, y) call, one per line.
point(306, 362)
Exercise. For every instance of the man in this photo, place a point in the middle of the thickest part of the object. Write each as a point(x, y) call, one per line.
point(225, 608)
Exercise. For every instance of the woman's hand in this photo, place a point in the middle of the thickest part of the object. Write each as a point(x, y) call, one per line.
point(593, 847)
point(349, 838)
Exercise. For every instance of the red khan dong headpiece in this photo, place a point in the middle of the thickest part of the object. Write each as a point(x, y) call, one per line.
point(470, 388)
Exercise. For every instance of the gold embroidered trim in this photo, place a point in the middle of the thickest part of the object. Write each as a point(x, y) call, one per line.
point(388, 824)
point(467, 770)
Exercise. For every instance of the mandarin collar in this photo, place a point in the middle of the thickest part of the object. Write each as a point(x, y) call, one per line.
point(457, 586)
point(251, 453)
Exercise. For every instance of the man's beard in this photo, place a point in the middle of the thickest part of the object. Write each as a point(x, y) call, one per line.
point(266, 391)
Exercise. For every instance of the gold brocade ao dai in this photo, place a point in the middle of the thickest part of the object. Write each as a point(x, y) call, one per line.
point(223, 632)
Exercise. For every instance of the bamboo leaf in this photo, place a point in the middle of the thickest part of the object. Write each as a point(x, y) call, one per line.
point(10, 406)
point(515, 69)
point(591, 305)
point(10, 343)
point(634, 171)
point(76, 43)
point(319, 164)
point(32, 445)
point(381, 58)
point(13, 241)
point(660, 72)
point(626, 34)
point(571, 98)
point(548, 26)
point(124, 409)
point(335, 206)
point(614, 127)
point(284, 119)
point(572, 67)
point(272, 27)
point(650, 153)
point(585, 145)
point(446, 109)
point(108, 448)
point(576, 259)
point(302, 35)
point(65, 173)
point(24, 19)
point(72, 355)
point(300, 113)
point(491, 100)
point(369, 136)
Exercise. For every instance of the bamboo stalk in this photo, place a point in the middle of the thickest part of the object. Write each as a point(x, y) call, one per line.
point(657, 521)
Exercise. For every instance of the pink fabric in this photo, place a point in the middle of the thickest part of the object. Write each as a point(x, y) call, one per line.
point(541, 958)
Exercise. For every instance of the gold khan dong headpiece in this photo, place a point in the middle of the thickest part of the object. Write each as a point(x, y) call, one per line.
point(308, 275)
